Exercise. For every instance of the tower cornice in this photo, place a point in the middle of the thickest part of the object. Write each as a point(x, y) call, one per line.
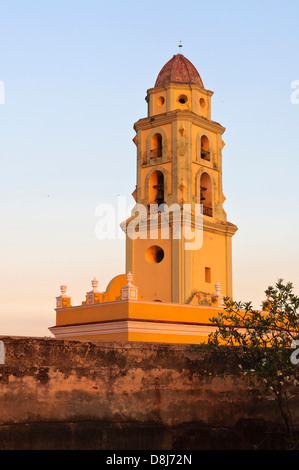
point(219, 226)
point(178, 115)
point(179, 86)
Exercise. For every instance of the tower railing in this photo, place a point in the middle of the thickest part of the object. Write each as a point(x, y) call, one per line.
point(205, 154)
point(156, 153)
point(207, 211)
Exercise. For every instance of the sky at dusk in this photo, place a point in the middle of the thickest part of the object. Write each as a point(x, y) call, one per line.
point(75, 75)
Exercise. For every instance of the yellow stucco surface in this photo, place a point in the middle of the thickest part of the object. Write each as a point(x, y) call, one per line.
point(119, 310)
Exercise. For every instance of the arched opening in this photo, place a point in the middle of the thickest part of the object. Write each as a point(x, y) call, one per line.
point(206, 194)
point(156, 188)
point(156, 146)
point(205, 148)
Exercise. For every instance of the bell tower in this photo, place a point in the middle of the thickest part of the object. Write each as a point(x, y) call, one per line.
point(179, 164)
point(178, 239)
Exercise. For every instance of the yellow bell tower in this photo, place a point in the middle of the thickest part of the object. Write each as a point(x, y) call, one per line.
point(178, 239)
point(179, 164)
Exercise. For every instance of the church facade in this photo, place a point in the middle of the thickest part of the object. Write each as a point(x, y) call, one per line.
point(178, 238)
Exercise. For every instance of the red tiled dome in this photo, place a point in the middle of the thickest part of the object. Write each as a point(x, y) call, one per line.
point(179, 70)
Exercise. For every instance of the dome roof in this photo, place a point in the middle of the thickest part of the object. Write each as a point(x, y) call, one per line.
point(179, 70)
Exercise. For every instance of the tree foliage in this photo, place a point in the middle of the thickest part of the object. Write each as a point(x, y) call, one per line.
point(264, 344)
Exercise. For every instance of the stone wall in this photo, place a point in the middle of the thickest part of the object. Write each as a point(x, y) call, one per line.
point(57, 394)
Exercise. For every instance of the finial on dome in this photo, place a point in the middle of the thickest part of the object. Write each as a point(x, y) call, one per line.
point(180, 46)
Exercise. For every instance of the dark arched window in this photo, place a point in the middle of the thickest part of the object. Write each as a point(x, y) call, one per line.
point(156, 188)
point(205, 148)
point(156, 146)
point(206, 194)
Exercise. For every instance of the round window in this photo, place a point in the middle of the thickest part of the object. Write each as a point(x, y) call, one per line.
point(154, 254)
point(183, 99)
point(202, 102)
point(161, 100)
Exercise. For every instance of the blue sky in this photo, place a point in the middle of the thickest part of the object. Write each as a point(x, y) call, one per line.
point(75, 75)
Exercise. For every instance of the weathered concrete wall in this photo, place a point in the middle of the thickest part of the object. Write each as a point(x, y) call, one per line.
point(57, 394)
